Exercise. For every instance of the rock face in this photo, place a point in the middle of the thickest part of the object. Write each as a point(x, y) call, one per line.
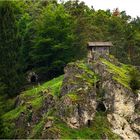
point(121, 126)
point(87, 89)
point(77, 106)
point(80, 101)
point(31, 116)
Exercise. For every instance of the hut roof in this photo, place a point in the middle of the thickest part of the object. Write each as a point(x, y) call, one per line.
point(99, 44)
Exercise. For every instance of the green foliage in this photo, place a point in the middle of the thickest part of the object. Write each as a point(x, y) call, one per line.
point(9, 47)
point(54, 34)
point(53, 41)
point(134, 80)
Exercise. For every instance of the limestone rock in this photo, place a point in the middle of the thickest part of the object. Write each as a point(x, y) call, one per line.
point(48, 125)
point(121, 127)
point(135, 124)
point(78, 102)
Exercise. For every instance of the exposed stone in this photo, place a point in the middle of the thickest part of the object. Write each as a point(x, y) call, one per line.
point(135, 124)
point(115, 98)
point(48, 124)
point(121, 127)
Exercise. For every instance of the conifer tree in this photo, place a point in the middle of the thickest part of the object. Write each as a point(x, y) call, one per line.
point(9, 49)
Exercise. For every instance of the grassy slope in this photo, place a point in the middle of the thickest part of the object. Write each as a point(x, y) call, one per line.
point(32, 97)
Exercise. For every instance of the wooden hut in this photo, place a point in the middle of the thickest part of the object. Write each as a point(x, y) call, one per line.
point(97, 49)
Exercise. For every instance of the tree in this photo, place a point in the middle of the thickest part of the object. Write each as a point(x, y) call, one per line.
point(53, 43)
point(9, 48)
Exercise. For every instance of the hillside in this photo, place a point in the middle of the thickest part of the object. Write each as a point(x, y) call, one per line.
point(90, 101)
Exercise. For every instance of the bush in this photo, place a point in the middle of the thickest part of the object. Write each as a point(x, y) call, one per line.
point(134, 80)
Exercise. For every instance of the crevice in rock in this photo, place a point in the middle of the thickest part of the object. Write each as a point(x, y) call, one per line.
point(89, 123)
point(101, 107)
point(98, 85)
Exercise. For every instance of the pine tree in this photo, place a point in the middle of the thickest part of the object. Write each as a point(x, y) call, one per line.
point(9, 48)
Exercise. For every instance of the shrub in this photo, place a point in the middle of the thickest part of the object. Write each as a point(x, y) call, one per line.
point(134, 80)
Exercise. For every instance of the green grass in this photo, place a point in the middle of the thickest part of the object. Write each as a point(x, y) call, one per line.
point(88, 75)
point(30, 97)
point(36, 103)
point(73, 96)
point(54, 85)
point(99, 126)
point(13, 114)
point(33, 97)
point(36, 131)
point(120, 73)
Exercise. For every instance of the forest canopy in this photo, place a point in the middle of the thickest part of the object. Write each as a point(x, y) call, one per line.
point(43, 36)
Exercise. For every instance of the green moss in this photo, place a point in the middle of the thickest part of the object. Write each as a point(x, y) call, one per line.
point(36, 103)
point(73, 96)
point(88, 75)
point(8, 126)
point(33, 96)
point(120, 73)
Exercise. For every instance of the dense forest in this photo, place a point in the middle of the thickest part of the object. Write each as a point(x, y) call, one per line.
point(43, 36)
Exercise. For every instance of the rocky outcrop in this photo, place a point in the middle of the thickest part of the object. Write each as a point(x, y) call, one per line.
point(80, 101)
point(87, 89)
point(77, 105)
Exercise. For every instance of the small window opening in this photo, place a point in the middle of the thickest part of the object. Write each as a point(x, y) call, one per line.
point(101, 107)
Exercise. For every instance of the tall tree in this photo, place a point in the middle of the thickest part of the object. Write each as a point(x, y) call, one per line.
point(52, 50)
point(9, 48)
